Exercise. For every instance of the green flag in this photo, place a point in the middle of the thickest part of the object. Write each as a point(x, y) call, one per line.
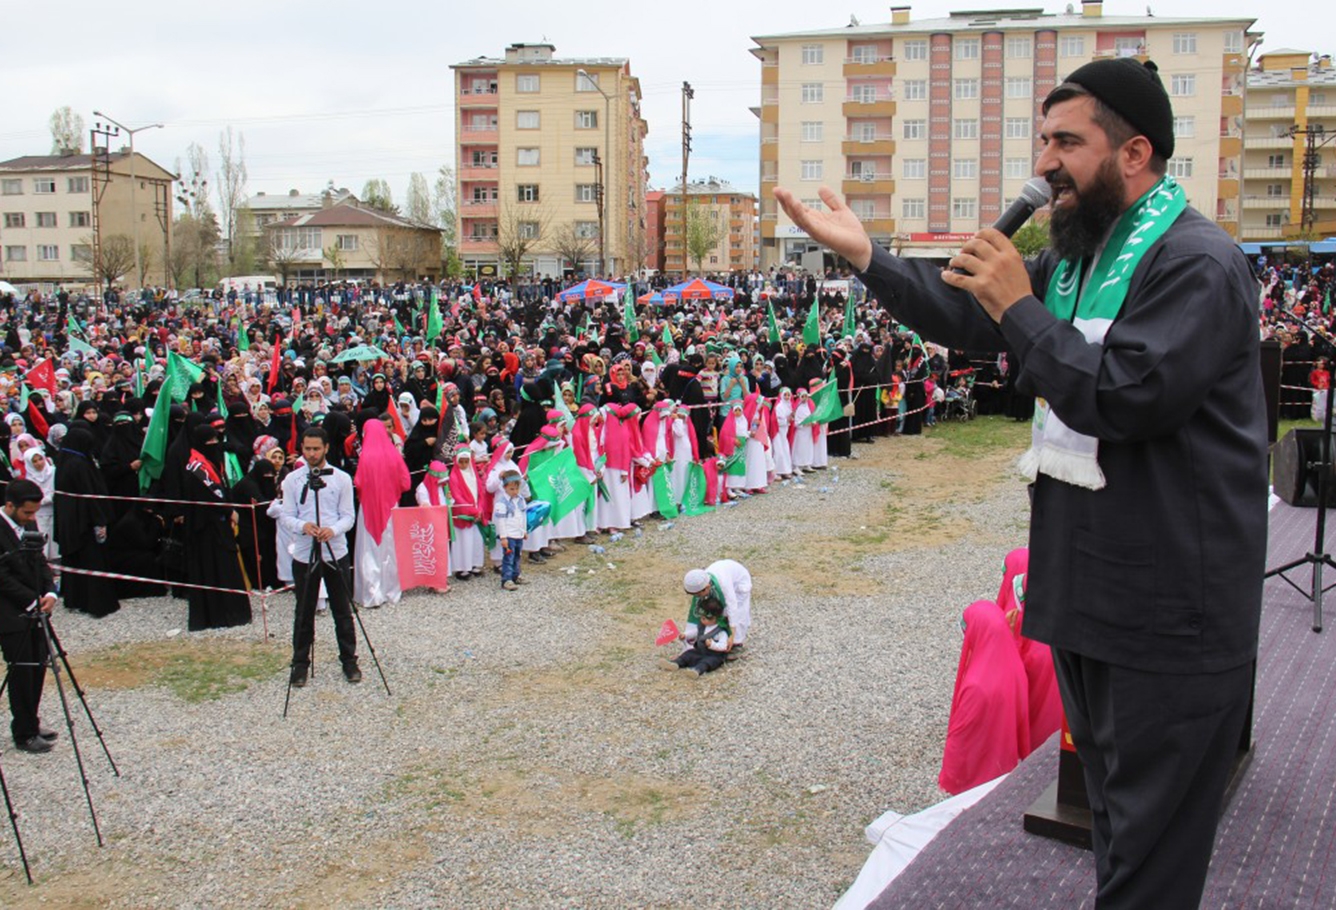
point(232, 468)
point(72, 327)
point(434, 323)
point(693, 501)
point(774, 324)
point(79, 346)
point(849, 318)
point(398, 326)
point(663, 494)
point(668, 336)
point(812, 330)
point(826, 405)
point(243, 339)
point(175, 387)
point(559, 481)
point(629, 316)
point(654, 356)
point(149, 362)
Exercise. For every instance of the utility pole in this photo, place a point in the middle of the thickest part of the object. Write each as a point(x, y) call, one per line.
point(598, 198)
point(134, 210)
point(687, 94)
point(1315, 138)
point(100, 177)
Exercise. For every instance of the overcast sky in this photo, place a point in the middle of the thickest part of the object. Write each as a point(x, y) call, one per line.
point(350, 91)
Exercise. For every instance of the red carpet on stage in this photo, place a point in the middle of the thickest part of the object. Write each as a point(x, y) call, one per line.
point(1276, 845)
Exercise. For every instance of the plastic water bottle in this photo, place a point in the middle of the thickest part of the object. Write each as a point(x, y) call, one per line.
point(730, 504)
point(823, 489)
point(666, 526)
point(615, 536)
point(640, 532)
point(596, 549)
point(835, 474)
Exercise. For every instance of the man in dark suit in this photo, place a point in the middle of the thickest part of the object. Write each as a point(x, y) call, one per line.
point(26, 586)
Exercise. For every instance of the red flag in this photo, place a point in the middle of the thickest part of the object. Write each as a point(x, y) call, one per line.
point(422, 546)
point(273, 363)
point(37, 418)
point(477, 291)
point(723, 322)
point(42, 376)
point(398, 422)
point(668, 632)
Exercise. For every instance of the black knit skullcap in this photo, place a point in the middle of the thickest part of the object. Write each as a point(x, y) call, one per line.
point(1135, 92)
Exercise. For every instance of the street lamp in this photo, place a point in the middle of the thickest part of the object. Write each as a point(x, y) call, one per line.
point(134, 211)
point(607, 159)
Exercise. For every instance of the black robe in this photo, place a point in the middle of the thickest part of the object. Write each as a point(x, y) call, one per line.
point(122, 450)
point(76, 519)
point(256, 531)
point(865, 400)
point(211, 555)
point(134, 547)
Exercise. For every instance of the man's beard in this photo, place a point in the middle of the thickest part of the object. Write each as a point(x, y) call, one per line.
point(1078, 228)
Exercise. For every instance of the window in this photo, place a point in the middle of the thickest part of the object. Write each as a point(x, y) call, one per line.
point(915, 89)
point(586, 120)
point(44, 185)
point(1016, 168)
point(915, 168)
point(812, 170)
point(1185, 42)
point(13, 219)
point(483, 158)
point(1128, 45)
point(865, 132)
point(526, 120)
point(1019, 87)
point(1317, 97)
point(48, 252)
point(527, 230)
point(46, 219)
point(813, 54)
point(916, 50)
point(1275, 189)
point(812, 131)
point(965, 89)
point(967, 48)
point(813, 93)
point(1233, 42)
point(586, 230)
point(485, 193)
point(914, 208)
point(815, 205)
point(80, 219)
point(1071, 46)
point(81, 252)
point(1183, 85)
point(1271, 221)
point(526, 192)
point(965, 169)
point(964, 207)
point(526, 157)
point(916, 129)
point(11, 187)
point(586, 192)
point(483, 230)
point(1017, 48)
point(1016, 128)
point(346, 242)
point(864, 93)
point(1180, 167)
point(586, 82)
point(526, 83)
point(865, 209)
point(585, 156)
point(1275, 160)
point(965, 128)
point(481, 122)
point(16, 254)
point(865, 53)
point(1185, 127)
point(77, 184)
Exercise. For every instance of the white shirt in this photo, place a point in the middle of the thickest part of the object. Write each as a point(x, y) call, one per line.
point(336, 512)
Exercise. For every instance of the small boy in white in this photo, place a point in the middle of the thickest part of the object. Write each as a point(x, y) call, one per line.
point(510, 517)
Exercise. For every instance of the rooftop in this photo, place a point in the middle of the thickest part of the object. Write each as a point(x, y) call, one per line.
point(267, 202)
point(350, 215)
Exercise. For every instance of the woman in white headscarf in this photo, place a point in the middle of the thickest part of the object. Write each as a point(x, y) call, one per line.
point(41, 471)
point(408, 411)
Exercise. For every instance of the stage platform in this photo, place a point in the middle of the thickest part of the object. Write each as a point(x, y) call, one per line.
point(1276, 846)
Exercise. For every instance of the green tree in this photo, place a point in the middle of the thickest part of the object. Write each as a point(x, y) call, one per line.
point(1031, 239)
point(376, 194)
point(67, 131)
point(703, 232)
point(419, 200)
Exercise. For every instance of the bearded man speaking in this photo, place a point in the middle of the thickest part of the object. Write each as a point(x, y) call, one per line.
point(1137, 332)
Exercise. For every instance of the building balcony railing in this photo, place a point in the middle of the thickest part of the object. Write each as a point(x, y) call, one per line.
point(1257, 173)
point(879, 225)
point(473, 102)
point(477, 245)
point(1268, 142)
point(1321, 110)
point(862, 107)
point(1270, 112)
point(1262, 233)
point(479, 135)
point(868, 184)
point(880, 145)
point(879, 66)
point(486, 172)
point(1266, 202)
point(478, 209)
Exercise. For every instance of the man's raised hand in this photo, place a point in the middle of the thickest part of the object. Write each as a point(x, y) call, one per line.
point(839, 229)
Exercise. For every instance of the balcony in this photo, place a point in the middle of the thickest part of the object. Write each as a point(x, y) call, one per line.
point(879, 226)
point(476, 100)
point(1231, 145)
point(478, 208)
point(879, 145)
point(1266, 202)
point(1268, 112)
point(1263, 173)
point(867, 185)
point(1227, 188)
point(477, 245)
point(1269, 142)
point(488, 172)
point(1321, 110)
point(880, 106)
point(1262, 233)
point(875, 66)
point(479, 135)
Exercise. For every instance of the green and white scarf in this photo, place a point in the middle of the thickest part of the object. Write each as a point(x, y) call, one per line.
point(1055, 448)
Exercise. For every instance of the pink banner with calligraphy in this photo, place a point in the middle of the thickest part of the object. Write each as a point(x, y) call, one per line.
point(422, 545)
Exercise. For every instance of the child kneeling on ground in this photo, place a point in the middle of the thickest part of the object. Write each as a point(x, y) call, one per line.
point(707, 638)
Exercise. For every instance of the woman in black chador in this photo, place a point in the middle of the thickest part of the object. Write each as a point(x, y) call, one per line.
point(81, 526)
point(211, 554)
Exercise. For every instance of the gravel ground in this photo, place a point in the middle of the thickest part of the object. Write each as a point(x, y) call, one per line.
point(531, 754)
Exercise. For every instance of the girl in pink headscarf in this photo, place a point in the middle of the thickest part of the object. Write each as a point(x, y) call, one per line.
point(1041, 679)
point(382, 477)
point(989, 730)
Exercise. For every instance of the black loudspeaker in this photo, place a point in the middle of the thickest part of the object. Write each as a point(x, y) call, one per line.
point(1292, 477)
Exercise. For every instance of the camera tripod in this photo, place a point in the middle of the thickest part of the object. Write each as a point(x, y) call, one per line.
point(55, 659)
point(314, 484)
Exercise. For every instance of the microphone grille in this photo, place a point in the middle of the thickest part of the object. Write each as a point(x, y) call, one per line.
point(1037, 192)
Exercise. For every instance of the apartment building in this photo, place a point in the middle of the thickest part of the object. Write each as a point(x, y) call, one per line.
point(347, 241)
point(1291, 96)
point(653, 230)
point(51, 206)
point(727, 212)
point(928, 126)
point(270, 208)
point(549, 150)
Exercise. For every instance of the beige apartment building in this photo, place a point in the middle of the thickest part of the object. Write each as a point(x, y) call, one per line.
point(730, 212)
point(52, 205)
point(541, 142)
point(1288, 89)
point(348, 241)
point(928, 127)
point(269, 208)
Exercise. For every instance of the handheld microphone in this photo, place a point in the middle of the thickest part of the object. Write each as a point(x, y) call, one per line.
point(1034, 195)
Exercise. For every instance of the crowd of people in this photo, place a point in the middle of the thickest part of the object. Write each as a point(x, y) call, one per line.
point(446, 396)
point(1296, 312)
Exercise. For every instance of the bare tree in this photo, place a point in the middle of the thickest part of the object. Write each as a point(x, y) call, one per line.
point(571, 246)
point(376, 194)
point(281, 254)
point(419, 200)
point(192, 186)
point(703, 232)
point(519, 231)
point(231, 186)
point(443, 204)
point(146, 252)
point(118, 257)
point(194, 249)
point(67, 131)
point(404, 252)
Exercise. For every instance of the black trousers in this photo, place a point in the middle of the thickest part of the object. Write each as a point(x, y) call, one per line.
point(701, 661)
point(1157, 750)
point(25, 652)
point(306, 584)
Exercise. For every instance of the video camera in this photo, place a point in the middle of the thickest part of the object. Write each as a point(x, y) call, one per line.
point(32, 541)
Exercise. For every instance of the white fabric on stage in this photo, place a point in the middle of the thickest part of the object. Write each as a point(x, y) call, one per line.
point(282, 543)
point(375, 567)
point(897, 839)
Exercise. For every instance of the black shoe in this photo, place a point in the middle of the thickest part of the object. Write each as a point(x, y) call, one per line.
point(33, 744)
point(298, 677)
point(537, 557)
point(47, 733)
point(352, 673)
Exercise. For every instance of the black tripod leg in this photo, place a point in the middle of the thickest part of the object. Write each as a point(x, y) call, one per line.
point(346, 582)
point(14, 821)
point(69, 724)
point(83, 700)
